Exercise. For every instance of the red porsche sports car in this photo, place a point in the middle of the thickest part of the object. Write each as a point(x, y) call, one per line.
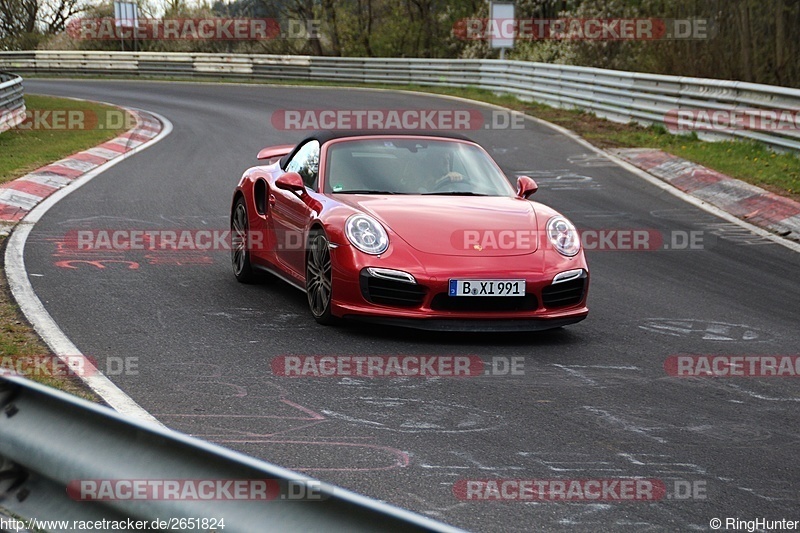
point(421, 230)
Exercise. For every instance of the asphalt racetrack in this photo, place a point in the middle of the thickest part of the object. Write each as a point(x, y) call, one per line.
point(594, 402)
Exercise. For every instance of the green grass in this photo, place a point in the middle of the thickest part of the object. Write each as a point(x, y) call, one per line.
point(23, 150)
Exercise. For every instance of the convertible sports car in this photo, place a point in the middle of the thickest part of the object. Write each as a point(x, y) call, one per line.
point(421, 230)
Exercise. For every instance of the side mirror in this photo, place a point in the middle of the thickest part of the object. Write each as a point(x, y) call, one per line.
point(291, 181)
point(526, 187)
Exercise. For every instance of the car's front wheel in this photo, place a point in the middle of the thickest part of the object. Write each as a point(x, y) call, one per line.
point(240, 255)
point(318, 277)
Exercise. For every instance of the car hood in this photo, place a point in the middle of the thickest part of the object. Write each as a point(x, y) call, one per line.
point(478, 226)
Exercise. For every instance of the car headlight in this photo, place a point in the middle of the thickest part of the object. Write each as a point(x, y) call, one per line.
point(563, 236)
point(366, 234)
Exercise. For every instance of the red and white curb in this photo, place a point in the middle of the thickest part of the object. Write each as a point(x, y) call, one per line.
point(18, 197)
point(57, 181)
point(762, 208)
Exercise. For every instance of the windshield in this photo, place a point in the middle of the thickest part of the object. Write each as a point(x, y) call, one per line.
point(412, 166)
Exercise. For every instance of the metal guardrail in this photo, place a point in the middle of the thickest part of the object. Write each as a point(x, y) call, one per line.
point(617, 95)
point(49, 439)
point(12, 102)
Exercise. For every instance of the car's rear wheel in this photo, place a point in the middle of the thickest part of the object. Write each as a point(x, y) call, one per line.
point(318, 277)
point(240, 255)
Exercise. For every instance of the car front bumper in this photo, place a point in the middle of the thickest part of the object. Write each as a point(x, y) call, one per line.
point(429, 308)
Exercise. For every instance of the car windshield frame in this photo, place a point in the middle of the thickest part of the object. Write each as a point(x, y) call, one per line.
point(412, 165)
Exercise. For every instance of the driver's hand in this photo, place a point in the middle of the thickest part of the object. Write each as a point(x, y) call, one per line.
point(450, 177)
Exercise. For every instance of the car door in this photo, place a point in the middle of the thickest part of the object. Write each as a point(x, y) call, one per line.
point(290, 213)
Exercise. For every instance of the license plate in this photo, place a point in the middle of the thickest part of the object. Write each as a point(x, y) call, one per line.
point(486, 287)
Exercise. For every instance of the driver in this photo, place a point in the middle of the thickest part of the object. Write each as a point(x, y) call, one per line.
point(440, 170)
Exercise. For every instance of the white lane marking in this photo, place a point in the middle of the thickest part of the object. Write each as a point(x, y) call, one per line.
point(32, 307)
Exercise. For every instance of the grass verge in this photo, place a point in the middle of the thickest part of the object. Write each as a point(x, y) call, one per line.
point(42, 140)
point(23, 150)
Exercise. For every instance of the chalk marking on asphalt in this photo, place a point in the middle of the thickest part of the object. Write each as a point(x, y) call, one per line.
point(624, 424)
point(758, 396)
point(577, 374)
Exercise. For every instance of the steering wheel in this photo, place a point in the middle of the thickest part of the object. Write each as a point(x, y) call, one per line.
point(451, 178)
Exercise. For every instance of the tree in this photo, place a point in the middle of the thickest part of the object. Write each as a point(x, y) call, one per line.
point(25, 23)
